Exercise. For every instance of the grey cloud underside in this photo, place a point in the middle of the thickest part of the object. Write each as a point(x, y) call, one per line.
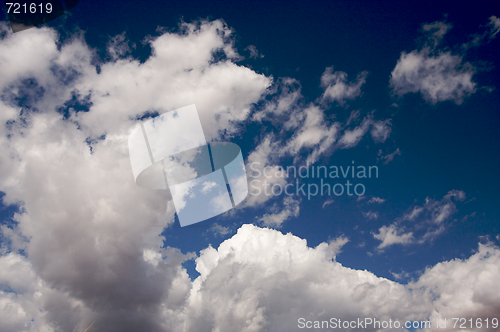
point(260, 280)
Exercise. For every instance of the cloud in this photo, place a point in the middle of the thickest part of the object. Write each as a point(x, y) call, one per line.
point(219, 230)
point(119, 46)
point(438, 213)
point(436, 31)
point(381, 130)
point(415, 212)
point(303, 131)
point(351, 138)
point(285, 99)
point(254, 53)
point(68, 161)
point(371, 215)
point(336, 86)
point(295, 128)
point(399, 276)
point(18, 305)
point(391, 235)
point(208, 185)
point(335, 246)
point(262, 173)
point(305, 135)
point(421, 224)
point(389, 157)
point(290, 209)
point(478, 39)
point(313, 133)
point(376, 200)
point(12, 239)
point(327, 202)
point(437, 75)
point(494, 25)
point(216, 87)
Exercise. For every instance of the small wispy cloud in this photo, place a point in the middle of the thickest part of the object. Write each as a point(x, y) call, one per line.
point(388, 157)
point(327, 202)
point(254, 53)
point(290, 209)
point(422, 223)
point(338, 89)
point(219, 230)
point(376, 200)
point(491, 31)
point(390, 235)
point(371, 215)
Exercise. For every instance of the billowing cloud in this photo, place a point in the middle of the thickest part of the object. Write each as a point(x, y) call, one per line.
point(262, 280)
point(464, 288)
point(91, 237)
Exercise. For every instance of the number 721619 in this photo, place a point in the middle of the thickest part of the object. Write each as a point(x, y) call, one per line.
point(32, 8)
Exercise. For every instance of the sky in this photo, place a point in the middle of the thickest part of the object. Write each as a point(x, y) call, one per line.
point(398, 102)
